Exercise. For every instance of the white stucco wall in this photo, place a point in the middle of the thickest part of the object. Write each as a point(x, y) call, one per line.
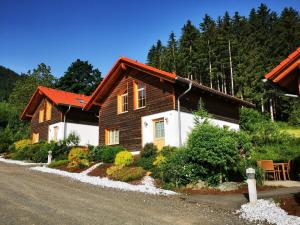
point(171, 126)
point(88, 134)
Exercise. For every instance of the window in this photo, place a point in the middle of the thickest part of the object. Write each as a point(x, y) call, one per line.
point(159, 129)
point(139, 95)
point(41, 115)
point(111, 137)
point(35, 138)
point(123, 102)
point(48, 110)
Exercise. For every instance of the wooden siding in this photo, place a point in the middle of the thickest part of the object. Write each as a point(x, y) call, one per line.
point(220, 108)
point(42, 128)
point(77, 115)
point(159, 98)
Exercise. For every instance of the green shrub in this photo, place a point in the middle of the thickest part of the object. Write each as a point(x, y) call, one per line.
point(97, 153)
point(124, 158)
point(146, 163)
point(294, 118)
point(176, 170)
point(167, 150)
point(211, 155)
point(78, 158)
point(126, 173)
point(149, 150)
point(106, 153)
point(41, 155)
point(6, 140)
point(58, 163)
point(26, 153)
point(22, 143)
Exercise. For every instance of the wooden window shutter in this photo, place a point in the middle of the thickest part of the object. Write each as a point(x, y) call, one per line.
point(119, 104)
point(35, 138)
point(106, 136)
point(48, 110)
point(135, 95)
point(41, 116)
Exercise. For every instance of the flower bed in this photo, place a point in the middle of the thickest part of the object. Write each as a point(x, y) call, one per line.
point(147, 185)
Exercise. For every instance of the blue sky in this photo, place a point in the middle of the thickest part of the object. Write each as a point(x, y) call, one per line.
point(57, 32)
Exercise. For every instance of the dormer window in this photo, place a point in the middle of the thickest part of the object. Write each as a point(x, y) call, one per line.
point(123, 102)
point(139, 95)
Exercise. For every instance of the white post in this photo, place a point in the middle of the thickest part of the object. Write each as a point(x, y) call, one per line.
point(49, 157)
point(271, 110)
point(251, 185)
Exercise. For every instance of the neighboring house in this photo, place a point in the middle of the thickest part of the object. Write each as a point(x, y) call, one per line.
point(54, 114)
point(137, 104)
point(287, 74)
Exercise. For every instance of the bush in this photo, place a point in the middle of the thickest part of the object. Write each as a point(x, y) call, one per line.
point(41, 155)
point(58, 163)
point(149, 150)
point(105, 153)
point(294, 118)
point(124, 158)
point(78, 158)
point(26, 153)
point(146, 163)
point(22, 143)
point(125, 173)
point(6, 140)
point(211, 155)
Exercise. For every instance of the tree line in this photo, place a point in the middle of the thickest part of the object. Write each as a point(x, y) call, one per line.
point(233, 53)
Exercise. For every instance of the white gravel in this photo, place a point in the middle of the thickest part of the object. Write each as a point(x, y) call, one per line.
point(17, 162)
point(267, 211)
point(147, 185)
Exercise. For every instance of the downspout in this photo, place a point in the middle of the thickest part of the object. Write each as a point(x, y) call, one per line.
point(65, 128)
point(179, 116)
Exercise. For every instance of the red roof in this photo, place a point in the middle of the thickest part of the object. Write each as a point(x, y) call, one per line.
point(284, 64)
point(287, 73)
point(124, 63)
point(58, 97)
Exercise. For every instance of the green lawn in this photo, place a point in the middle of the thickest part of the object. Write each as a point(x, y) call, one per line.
point(295, 131)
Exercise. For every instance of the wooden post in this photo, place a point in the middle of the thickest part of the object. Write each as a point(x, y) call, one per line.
point(271, 110)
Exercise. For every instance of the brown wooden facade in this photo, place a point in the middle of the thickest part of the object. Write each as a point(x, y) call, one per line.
point(75, 115)
point(161, 96)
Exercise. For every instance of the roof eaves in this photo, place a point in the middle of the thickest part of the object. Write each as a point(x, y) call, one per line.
point(215, 92)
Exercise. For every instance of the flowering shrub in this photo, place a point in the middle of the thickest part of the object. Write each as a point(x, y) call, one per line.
point(125, 173)
point(22, 143)
point(124, 158)
point(78, 157)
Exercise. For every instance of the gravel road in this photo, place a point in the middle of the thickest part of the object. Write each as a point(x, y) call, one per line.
point(29, 197)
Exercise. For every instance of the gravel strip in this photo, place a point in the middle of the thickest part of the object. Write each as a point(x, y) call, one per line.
point(17, 162)
point(147, 186)
point(267, 211)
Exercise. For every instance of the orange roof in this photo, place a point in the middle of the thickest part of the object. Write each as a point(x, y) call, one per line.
point(58, 97)
point(286, 74)
point(124, 63)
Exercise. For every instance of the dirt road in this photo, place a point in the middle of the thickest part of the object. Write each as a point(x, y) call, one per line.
point(29, 197)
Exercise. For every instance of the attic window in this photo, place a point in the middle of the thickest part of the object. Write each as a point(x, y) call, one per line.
point(81, 100)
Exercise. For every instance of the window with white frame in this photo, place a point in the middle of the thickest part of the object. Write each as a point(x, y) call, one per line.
point(139, 95)
point(123, 102)
point(112, 137)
